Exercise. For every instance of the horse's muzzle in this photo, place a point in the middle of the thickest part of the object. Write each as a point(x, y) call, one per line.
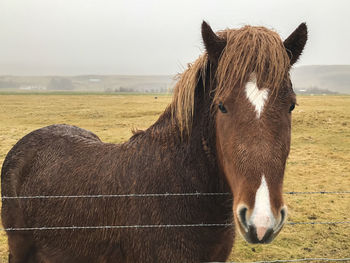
point(255, 232)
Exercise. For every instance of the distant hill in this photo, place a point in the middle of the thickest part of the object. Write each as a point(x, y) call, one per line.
point(334, 78)
point(306, 79)
point(89, 83)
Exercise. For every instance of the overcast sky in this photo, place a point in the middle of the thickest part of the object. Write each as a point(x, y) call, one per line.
point(69, 37)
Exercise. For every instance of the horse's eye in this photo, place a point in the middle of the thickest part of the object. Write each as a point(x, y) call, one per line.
point(222, 108)
point(291, 107)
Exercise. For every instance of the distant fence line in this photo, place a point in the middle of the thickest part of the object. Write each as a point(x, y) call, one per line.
point(153, 195)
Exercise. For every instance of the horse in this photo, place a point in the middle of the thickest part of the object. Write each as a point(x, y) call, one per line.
point(227, 130)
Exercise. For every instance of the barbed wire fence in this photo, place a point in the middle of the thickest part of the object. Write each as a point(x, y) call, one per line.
point(155, 195)
point(198, 194)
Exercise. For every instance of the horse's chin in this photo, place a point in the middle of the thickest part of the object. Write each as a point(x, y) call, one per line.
point(256, 241)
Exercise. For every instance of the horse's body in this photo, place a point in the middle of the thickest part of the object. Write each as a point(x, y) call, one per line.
point(66, 160)
point(170, 157)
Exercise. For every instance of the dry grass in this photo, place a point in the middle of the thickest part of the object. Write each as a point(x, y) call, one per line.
point(319, 159)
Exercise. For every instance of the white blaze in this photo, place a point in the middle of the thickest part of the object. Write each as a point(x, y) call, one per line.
point(262, 215)
point(256, 97)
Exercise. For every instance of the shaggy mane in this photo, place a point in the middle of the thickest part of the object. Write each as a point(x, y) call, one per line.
point(248, 50)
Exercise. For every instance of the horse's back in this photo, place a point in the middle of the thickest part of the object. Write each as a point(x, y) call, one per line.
point(21, 158)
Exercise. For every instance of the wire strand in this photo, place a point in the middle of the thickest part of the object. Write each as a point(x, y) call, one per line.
point(111, 196)
point(150, 226)
point(289, 260)
point(111, 227)
point(318, 192)
point(151, 195)
point(318, 223)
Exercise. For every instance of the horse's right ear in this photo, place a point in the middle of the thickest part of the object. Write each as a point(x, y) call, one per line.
point(213, 44)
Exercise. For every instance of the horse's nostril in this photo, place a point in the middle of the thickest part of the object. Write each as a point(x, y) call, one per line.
point(283, 214)
point(242, 215)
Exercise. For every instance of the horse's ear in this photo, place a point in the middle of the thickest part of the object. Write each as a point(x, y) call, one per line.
point(295, 43)
point(213, 44)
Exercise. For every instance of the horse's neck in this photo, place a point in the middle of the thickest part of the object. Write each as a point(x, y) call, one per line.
point(202, 135)
point(195, 152)
point(200, 141)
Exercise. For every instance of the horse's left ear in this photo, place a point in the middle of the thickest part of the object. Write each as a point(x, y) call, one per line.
point(295, 43)
point(213, 44)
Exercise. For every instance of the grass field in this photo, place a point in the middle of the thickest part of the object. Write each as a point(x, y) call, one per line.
point(319, 159)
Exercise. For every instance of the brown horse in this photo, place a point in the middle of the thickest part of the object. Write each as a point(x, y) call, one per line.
point(227, 130)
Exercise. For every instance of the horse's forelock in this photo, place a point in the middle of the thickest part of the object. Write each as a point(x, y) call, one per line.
point(250, 50)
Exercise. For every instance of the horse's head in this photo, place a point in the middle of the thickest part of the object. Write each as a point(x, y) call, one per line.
point(253, 100)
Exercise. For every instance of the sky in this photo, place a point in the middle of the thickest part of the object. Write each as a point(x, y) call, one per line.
point(152, 37)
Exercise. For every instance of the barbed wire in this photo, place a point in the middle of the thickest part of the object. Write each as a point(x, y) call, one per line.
point(318, 192)
point(152, 195)
point(113, 227)
point(318, 223)
point(152, 226)
point(112, 196)
point(289, 260)
point(4, 198)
